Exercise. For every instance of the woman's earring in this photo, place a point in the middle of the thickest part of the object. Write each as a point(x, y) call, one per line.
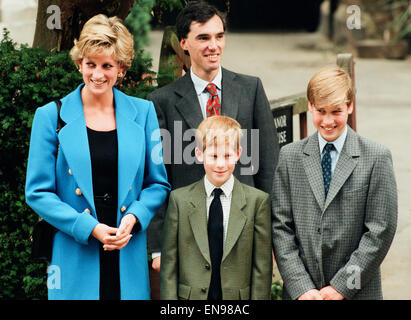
point(120, 75)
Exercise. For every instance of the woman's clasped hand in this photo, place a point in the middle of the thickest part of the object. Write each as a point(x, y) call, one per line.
point(115, 238)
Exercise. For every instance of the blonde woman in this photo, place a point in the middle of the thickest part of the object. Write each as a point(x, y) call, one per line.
point(95, 180)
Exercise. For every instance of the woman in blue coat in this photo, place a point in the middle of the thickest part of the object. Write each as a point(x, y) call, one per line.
point(101, 178)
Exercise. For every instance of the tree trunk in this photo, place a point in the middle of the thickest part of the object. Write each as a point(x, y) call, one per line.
point(73, 15)
point(43, 36)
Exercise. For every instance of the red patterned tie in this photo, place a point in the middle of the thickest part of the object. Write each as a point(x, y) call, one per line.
point(213, 104)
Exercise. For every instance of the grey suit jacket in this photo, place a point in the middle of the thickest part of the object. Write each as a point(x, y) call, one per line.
point(246, 266)
point(342, 239)
point(178, 111)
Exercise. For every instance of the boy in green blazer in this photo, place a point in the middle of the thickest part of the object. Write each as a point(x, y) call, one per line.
point(217, 230)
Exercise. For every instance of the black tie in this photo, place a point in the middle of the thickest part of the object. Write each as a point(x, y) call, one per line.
point(326, 165)
point(215, 242)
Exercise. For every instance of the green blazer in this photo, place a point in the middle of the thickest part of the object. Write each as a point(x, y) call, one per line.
point(246, 267)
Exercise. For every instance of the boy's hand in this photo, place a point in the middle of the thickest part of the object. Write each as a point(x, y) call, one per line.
point(312, 294)
point(329, 293)
point(156, 264)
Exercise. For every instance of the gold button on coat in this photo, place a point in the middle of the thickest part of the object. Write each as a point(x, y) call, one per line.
point(78, 192)
point(88, 210)
point(71, 173)
point(123, 208)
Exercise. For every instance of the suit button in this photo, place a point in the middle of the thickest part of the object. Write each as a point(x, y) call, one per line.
point(319, 230)
point(123, 208)
point(70, 173)
point(203, 290)
point(78, 192)
point(88, 210)
point(207, 266)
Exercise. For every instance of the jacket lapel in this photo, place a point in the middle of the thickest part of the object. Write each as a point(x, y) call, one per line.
point(188, 105)
point(198, 218)
point(230, 94)
point(313, 170)
point(131, 144)
point(237, 218)
point(347, 161)
point(74, 143)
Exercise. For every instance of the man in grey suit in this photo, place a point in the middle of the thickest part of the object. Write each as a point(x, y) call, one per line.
point(334, 202)
point(182, 105)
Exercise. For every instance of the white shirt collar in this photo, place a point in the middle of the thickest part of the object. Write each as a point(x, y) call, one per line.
point(338, 143)
point(227, 187)
point(200, 84)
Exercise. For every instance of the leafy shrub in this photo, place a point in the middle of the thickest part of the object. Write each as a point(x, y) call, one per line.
point(138, 22)
point(276, 290)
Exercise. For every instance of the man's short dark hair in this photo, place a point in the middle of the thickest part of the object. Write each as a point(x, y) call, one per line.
point(199, 11)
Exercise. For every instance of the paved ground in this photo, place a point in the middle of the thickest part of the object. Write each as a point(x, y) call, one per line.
point(286, 61)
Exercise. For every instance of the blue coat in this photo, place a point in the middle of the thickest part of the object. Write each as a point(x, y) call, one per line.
point(61, 192)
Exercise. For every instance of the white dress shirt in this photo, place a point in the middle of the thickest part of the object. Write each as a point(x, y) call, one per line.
point(225, 199)
point(335, 153)
point(202, 93)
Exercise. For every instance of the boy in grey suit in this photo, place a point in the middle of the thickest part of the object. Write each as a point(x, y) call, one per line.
point(183, 104)
point(334, 202)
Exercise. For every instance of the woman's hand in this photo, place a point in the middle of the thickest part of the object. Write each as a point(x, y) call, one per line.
point(102, 232)
point(123, 236)
point(156, 264)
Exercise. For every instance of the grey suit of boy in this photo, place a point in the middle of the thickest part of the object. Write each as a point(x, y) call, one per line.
point(342, 239)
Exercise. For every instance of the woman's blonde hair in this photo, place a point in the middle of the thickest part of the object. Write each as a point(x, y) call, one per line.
point(218, 129)
point(104, 36)
point(330, 86)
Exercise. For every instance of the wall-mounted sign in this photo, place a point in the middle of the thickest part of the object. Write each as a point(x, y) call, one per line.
point(283, 120)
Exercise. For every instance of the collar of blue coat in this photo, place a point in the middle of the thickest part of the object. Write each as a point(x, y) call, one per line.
point(74, 142)
point(72, 106)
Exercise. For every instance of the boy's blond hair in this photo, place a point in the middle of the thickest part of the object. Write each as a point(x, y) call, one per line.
point(213, 130)
point(331, 86)
point(104, 36)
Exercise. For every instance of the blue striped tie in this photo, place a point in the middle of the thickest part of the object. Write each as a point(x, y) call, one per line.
point(326, 165)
